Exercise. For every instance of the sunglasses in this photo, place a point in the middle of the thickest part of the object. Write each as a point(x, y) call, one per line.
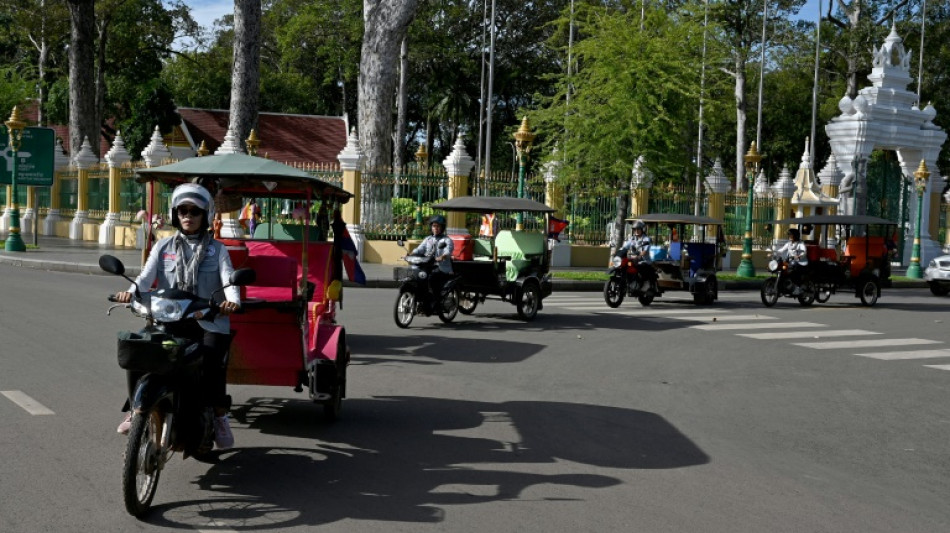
point(190, 210)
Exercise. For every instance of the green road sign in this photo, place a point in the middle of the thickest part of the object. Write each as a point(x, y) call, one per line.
point(36, 160)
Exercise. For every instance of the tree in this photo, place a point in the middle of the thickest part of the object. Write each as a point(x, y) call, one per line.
point(245, 79)
point(632, 97)
point(385, 24)
point(82, 93)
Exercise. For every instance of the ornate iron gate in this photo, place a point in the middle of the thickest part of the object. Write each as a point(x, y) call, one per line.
point(889, 193)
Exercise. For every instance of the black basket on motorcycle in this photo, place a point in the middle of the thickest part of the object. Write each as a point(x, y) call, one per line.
point(401, 273)
point(154, 352)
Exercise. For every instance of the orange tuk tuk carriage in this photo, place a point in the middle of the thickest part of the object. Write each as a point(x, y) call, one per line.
point(286, 333)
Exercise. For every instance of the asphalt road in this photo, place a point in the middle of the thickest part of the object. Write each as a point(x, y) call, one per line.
point(728, 418)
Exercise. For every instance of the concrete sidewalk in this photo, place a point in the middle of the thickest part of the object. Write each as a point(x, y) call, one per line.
point(66, 255)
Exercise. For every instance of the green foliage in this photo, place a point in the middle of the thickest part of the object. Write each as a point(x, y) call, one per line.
point(15, 89)
point(633, 95)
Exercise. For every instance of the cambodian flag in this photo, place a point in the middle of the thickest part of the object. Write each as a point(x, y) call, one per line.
point(352, 266)
point(555, 227)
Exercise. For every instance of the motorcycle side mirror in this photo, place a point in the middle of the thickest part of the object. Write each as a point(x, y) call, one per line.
point(243, 276)
point(401, 243)
point(112, 265)
point(768, 228)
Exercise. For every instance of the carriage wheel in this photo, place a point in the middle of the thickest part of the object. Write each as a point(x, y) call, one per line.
point(529, 301)
point(808, 295)
point(468, 301)
point(868, 291)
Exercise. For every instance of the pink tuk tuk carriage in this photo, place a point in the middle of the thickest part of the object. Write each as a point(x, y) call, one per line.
point(287, 332)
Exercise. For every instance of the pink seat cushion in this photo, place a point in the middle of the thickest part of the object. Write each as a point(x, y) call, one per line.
point(276, 278)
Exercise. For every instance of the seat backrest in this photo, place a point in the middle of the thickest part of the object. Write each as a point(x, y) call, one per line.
point(519, 244)
point(276, 277)
point(812, 252)
point(482, 248)
point(702, 255)
point(676, 250)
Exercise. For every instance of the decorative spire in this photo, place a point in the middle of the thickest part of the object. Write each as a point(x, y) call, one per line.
point(61, 159)
point(351, 157)
point(118, 155)
point(785, 186)
point(203, 149)
point(85, 158)
point(641, 177)
point(231, 145)
point(716, 180)
point(458, 163)
point(156, 151)
point(831, 175)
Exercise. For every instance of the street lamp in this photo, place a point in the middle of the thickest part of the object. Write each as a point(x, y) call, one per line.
point(921, 175)
point(523, 140)
point(15, 128)
point(752, 160)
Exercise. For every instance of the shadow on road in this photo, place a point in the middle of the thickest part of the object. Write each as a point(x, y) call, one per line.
point(402, 458)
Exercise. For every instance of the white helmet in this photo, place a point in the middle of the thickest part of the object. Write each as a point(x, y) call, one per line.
point(190, 193)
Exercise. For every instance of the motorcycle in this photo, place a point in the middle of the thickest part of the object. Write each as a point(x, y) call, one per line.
point(168, 414)
point(631, 276)
point(781, 284)
point(415, 292)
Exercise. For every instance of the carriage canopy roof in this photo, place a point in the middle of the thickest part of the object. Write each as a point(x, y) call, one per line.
point(846, 220)
point(491, 204)
point(668, 218)
point(245, 175)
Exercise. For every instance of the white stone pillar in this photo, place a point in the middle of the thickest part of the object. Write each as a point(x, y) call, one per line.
point(84, 160)
point(60, 164)
point(230, 225)
point(351, 163)
point(154, 155)
point(116, 157)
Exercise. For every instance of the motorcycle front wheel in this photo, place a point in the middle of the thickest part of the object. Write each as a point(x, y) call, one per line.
point(449, 307)
point(614, 291)
point(769, 292)
point(405, 308)
point(143, 463)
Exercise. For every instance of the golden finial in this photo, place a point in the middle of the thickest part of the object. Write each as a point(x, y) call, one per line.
point(202, 149)
point(252, 142)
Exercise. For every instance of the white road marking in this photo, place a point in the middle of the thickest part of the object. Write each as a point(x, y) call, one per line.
point(808, 334)
point(28, 404)
point(653, 311)
point(939, 367)
point(776, 325)
point(918, 354)
point(864, 344)
point(716, 318)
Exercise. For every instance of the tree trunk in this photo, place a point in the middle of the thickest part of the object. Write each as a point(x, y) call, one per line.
point(402, 106)
point(740, 123)
point(246, 69)
point(101, 68)
point(385, 25)
point(41, 61)
point(82, 93)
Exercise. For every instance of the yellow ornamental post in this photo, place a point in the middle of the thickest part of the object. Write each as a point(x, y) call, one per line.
point(84, 160)
point(351, 163)
point(116, 157)
point(458, 165)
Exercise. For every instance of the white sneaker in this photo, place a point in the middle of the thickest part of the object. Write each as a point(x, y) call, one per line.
point(223, 438)
point(125, 425)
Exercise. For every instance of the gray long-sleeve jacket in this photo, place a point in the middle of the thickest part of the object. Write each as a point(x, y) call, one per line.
point(213, 273)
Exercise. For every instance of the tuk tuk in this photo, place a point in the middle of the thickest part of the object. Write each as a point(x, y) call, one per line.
point(682, 258)
point(286, 333)
point(511, 265)
point(859, 261)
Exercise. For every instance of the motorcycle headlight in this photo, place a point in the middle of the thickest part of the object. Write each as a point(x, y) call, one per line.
point(933, 264)
point(167, 310)
point(616, 262)
point(773, 265)
point(423, 275)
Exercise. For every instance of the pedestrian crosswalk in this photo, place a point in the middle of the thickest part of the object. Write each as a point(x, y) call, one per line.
point(809, 335)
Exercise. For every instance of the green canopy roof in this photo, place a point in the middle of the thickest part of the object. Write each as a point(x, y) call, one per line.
point(245, 175)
